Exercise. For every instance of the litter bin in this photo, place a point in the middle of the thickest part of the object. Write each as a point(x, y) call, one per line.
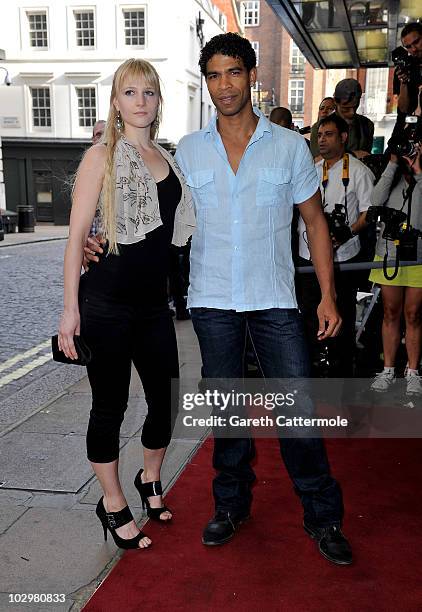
point(26, 220)
point(1, 228)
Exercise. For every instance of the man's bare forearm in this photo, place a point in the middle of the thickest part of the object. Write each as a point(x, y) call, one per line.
point(403, 99)
point(360, 223)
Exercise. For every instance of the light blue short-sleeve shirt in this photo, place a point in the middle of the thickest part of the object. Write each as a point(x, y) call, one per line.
point(241, 249)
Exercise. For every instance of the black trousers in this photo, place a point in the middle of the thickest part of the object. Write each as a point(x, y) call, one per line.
point(179, 267)
point(119, 334)
point(340, 350)
point(278, 339)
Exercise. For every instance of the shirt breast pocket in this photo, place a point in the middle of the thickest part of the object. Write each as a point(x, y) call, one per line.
point(202, 186)
point(273, 187)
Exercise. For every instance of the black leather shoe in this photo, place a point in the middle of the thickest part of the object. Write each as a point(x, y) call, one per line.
point(222, 528)
point(331, 543)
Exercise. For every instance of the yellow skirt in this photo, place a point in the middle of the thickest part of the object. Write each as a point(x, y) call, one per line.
point(408, 276)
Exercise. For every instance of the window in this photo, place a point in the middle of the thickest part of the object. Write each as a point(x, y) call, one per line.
point(38, 35)
point(134, 25)
point(87, 106)
point(41, 107)
point(296, 95)
point(255, 46)
point(85, 28)
point(222, 20)
point(297, 59)
point(249, 12)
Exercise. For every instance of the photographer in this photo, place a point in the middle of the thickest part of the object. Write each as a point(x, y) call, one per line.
point(346, 185)
point(403, 294)
point(326, 107)
point(408, 76)
point(347, 95)
point(346, 101)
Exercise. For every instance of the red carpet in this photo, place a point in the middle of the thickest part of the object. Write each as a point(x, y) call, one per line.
point(271, 564)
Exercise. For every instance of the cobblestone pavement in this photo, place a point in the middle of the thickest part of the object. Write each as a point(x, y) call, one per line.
point(30, 306)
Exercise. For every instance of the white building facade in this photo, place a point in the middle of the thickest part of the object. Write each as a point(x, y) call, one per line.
point(61, 56)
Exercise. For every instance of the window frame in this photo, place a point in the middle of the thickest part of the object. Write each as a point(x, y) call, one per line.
point(120, 22)
point(291, 81)
point(25, 31)
point(85, 87)
point(253, 13)
point(294, 48)
point(40, 128)
point(35, 12)
point(73, 30)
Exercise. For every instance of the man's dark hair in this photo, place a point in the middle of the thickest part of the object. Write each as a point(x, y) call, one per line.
point(280, 114)
point(415, 26)
point(229, 44)
point(338, 121)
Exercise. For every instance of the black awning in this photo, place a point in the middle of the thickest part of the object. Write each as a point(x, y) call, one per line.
point(346, 33)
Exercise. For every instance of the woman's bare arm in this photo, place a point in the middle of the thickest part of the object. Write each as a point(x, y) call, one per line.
point(86, 192)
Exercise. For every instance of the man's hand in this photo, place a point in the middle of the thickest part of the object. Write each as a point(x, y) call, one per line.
point(402, 76)
point(92, 246)
point(328, 318)
point(335, 243)
point(360, 153)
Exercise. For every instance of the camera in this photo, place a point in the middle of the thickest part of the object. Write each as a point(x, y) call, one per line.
point(405, 142)
point(337, 224)
point(392, 218)
point(402, 60)
point(396, 229)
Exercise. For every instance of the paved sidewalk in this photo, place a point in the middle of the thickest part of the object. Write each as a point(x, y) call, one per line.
point(50, 539)
point(43, 232)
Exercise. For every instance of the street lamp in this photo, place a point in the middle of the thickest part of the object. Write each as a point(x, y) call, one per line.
point(200, 35)
point(7, 79)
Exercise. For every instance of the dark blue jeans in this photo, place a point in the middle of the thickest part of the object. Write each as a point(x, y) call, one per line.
point(278, 339)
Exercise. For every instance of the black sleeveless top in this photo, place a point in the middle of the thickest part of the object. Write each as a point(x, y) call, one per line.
point(138, 274)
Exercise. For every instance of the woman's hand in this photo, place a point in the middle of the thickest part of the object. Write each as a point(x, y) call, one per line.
point(70, 325)
point(414, 163)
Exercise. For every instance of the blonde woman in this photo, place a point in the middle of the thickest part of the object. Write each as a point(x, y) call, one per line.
point(137, 194)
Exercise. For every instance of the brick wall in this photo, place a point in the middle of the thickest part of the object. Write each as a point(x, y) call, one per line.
point(275, 71)
point(229, 8)
point(269, 35)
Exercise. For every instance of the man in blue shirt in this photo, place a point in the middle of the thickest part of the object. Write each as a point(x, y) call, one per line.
point(246, 175)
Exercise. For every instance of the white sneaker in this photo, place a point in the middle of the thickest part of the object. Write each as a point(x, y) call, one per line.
point(413, 384)
point(383, 381)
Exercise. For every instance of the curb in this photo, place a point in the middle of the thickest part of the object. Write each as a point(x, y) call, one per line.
point(34, 241)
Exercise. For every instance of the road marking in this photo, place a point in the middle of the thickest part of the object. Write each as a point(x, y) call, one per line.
point(24, 370)
point(22, 356)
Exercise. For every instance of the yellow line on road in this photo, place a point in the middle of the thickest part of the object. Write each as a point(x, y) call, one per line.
point(22, 356)
point(24, 370)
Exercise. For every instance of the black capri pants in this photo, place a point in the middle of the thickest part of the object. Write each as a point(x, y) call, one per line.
point(119, 334)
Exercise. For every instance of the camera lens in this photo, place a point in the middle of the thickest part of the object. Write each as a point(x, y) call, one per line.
point(405, 149)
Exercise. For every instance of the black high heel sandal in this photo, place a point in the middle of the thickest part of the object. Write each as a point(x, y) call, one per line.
point(148, 489)
point(113, 520)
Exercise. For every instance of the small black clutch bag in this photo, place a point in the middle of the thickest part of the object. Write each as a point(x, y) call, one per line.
point(84, 353)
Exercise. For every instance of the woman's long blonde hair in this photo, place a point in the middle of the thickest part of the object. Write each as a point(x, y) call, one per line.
point(131, 69)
